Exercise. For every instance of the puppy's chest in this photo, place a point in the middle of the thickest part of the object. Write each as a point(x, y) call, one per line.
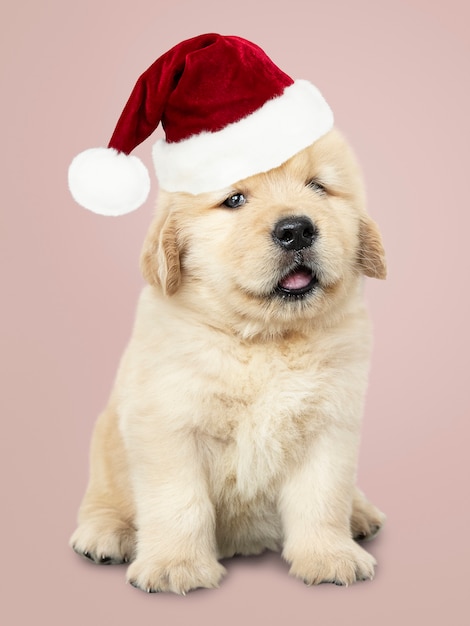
point(255, 417)
point(267, 404)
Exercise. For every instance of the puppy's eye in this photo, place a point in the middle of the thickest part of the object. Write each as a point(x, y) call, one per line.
point(316, 186)
point(235, 201)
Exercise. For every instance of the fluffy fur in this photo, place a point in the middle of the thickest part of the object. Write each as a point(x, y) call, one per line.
point(233, 426)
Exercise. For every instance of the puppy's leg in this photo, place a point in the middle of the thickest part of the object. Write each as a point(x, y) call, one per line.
point(106, 532)
point(176, 546)
point(366, 519)
point(315, 505)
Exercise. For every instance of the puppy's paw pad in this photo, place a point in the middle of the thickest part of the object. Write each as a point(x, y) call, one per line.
point(177, 576)
point(106, 544)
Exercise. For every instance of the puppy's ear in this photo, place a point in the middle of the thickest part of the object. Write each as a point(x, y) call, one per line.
point(160, 258)
point(371, 254)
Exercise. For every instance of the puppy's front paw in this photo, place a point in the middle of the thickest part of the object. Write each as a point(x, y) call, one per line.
point(178, 576)
point(342, 564)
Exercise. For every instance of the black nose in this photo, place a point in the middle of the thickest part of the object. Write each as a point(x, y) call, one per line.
point(294, 233)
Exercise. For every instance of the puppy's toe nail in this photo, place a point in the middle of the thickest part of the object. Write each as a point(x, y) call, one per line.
point(105, 559)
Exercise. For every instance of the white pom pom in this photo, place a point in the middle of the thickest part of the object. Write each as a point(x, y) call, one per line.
point(108, 182)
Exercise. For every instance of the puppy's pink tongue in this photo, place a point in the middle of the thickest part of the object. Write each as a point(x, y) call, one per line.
point(297, 280)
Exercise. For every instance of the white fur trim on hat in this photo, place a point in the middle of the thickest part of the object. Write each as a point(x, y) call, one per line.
point(257, 143)
point(108, 182)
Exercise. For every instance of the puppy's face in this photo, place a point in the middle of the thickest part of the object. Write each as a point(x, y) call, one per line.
point(274, 250)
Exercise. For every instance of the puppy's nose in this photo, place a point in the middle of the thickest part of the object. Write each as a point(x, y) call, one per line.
point(294, 233)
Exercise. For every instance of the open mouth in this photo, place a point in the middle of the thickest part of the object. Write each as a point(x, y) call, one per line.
point(298, 283)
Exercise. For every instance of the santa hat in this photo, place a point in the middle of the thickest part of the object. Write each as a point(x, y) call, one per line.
point(228, 112)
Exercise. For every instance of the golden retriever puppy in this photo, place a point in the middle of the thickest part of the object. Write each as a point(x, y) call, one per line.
point(233, 426)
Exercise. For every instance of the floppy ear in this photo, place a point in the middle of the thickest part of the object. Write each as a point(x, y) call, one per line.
point(160, 258)
point(371, 254)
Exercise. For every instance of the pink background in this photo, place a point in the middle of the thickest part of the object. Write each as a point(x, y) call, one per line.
point(396, 74)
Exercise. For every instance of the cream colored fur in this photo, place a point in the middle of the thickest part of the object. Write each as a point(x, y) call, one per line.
point(233, 426)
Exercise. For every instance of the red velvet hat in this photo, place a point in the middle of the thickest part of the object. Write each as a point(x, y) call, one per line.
point(227, 111)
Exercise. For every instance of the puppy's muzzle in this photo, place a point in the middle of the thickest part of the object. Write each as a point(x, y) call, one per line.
point(294, 233)
point(295, 236)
